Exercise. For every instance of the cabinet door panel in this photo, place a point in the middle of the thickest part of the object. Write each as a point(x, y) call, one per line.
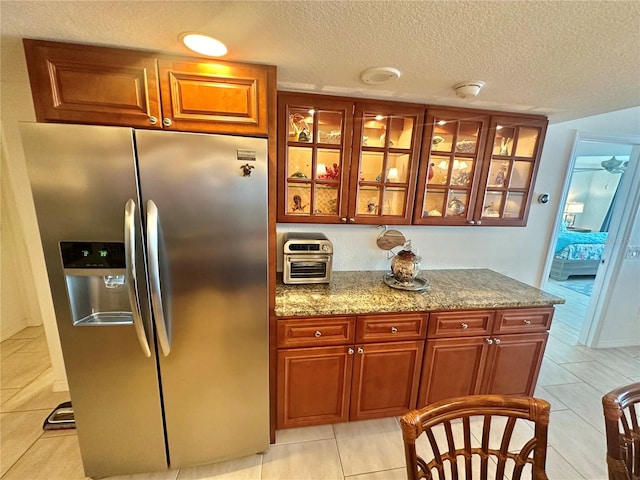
point(313, 386)
point(385, 379)
point(451, 368)
point(314, 138)
point(511, 159)
point(205, 95)
point(514, 364)
point(450, 166)
point(384, 162)
point(94, 85)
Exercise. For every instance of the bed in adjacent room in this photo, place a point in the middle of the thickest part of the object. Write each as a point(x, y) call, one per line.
point(577, 253)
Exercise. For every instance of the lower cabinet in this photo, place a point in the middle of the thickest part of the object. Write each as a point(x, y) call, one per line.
point(483, 351)
point(335, 369)
point(354, 381)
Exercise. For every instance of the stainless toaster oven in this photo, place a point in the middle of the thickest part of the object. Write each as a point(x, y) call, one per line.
point(307, 258)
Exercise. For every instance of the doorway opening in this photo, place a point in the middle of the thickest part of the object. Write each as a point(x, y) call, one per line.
point(589, 221)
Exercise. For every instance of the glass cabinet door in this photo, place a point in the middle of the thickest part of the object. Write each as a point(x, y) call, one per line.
point(512, 157)
point(451, 155)
point(314, 133)
point(384, 162)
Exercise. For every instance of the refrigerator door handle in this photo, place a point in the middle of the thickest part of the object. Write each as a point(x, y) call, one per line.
point(153, 227)
point(132, 282)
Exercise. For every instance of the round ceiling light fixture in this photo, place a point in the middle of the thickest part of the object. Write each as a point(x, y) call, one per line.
point(468, 89)
point(203, 44)
point(378, 75)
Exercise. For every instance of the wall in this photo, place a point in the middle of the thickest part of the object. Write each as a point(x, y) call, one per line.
point(17, 298)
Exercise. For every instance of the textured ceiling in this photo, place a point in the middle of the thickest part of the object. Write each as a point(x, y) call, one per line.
point(563, 59)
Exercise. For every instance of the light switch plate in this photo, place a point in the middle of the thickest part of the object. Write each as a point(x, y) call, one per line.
point(633, 251)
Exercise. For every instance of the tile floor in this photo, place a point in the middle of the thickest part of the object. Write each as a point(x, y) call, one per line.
point(573, 378)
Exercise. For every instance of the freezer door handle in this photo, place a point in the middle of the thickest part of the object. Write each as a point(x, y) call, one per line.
point(132, 282)
point(153, 253)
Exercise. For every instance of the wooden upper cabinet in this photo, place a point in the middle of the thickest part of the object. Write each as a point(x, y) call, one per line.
point(511, 159)
point(384, 162)
point(314, 141)
point(96, 85)
point(109, 86)
point(197, 93)
point(450, 167)
point(344, 161)
point(477, 168)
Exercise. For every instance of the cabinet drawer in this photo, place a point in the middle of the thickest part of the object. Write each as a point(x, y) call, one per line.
point(524, 320)
point(380, 328)
point(316, 332)
point(460, 324)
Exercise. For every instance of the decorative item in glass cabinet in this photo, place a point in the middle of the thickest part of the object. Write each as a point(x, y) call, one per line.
point(455, 206)
point(297, 204)
point(300, 127)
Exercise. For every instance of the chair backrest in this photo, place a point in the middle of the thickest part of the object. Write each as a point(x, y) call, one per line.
point(621, 409)
point(477, 437)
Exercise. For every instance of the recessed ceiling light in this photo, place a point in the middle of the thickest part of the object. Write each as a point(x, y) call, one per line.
point(203, 45)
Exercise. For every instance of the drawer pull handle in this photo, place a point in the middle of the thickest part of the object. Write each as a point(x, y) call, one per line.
point(464, 326)
point(360, 350)
point(489, 341)
point(527, 322)
point(350, 351)
point(318, 333)
point(496, 341)
point(394, 330)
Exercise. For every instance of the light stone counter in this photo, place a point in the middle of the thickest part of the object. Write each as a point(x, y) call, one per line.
point(353, 293)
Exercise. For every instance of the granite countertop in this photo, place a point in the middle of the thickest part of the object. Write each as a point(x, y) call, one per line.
point(353, 293)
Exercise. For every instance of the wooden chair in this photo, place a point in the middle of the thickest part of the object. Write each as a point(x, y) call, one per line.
point(472, 437)
point(621, 410)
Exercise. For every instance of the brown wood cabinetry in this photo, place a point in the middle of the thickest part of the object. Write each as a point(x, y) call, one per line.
point(108, 86)
point(346, 161)
point(375, 372)
point(477, 168)
point(478, 352)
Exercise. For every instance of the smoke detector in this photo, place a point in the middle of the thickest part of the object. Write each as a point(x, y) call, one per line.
point(468, 89)
point(377, 75)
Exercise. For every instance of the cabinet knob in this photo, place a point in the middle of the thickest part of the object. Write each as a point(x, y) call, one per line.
point(318, 333)
point(526, 322)
point(153, 120)
point(343, 220)
point(464, 326)
point(496, 341)
point(360, 350)
point(394, 330)
point(489, 341)
point(352, 220)
point(472, 222)
point(167, 122)
point(350, 351)
point(479, 222)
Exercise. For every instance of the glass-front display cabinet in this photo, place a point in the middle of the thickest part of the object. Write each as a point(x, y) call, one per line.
point(512, 156)
point(314, 140)
point(450, 167)
point(385, 156)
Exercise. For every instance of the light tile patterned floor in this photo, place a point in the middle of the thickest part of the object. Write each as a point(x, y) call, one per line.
point(573, 378)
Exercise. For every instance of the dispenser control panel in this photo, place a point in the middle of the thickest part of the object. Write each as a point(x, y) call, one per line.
point(109, 255)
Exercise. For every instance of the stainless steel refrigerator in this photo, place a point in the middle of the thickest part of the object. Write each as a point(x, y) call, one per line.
point(156, 249)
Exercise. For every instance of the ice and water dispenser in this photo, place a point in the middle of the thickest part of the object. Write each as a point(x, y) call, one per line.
point(96, 280)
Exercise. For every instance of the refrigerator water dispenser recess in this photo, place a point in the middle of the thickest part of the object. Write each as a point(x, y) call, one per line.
point(96, 281)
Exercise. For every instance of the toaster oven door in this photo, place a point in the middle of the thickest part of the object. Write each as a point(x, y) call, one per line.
point(307, 268)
